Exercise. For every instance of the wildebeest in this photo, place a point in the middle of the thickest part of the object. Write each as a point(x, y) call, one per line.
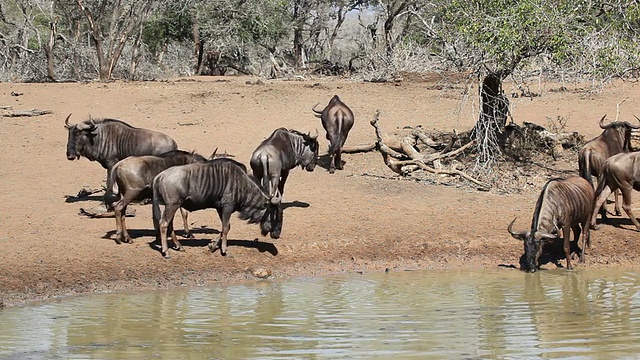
point(108, 141)
point(615, 139)
point(621, 171)
point(337, 120)
point(131, 179)
point(282, 151)
point(222, 184)
point(563, 204)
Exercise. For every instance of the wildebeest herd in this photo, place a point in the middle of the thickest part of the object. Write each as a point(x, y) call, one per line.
point(146, 165)
point(572, 204)
point(143, 164)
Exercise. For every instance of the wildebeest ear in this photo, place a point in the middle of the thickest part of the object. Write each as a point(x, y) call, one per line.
point(276, 199)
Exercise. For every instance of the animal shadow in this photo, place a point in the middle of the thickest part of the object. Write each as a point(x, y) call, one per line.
point(256, 244)
point(298, 204)
point(184, 240)
point(74, 199)
point(619, 222)
point(324, 161)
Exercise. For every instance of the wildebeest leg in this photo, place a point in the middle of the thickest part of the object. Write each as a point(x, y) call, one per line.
point(165, 220)
point(616, 195)
point(338, 159)
point(225, 217)
point(586, 239)
point(339, 165)
point(332, 159)
point(599, 202)
point(117, 211)
point(283, 179)
point(626, 205)
point(176, 243)
point(185, 222)
point(567, 245)
point(576, 239)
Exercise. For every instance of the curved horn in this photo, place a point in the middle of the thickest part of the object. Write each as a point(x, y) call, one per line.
point(66, 122)
point(602, 126)
point(316, 111)
point(634, 126)
point(314, 136)
point(213, 156)
point(516, 235)
point(546, 236)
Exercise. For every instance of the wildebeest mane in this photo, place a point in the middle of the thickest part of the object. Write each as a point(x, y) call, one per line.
point(229, 160)
point(173, 153)
point(541, 198)
point(107, 121)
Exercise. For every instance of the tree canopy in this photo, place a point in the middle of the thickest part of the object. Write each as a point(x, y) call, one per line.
point(65, 39)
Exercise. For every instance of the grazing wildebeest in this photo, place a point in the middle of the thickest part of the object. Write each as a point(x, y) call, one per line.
point(222, 184)
point(108, 141)
point(337, 120)
point(131, 179)
point(282, 151)
point(563, 204)
point(621, 171)
point(615, 139)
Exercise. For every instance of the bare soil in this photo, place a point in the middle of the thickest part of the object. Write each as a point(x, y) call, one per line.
point(362, 219)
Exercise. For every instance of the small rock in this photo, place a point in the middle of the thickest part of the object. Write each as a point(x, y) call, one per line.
point(259, 271)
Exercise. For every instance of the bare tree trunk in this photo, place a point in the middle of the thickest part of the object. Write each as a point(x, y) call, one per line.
point(489, 130)
point(48, 49)
point(198, 44)
point(394, 9)
point(103, 68)
point(298, 19)
point(135, 56)
point(123, 23)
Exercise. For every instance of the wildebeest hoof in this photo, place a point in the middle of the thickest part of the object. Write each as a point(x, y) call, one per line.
point(331, 171)
point(167, 255)
point(595, 227)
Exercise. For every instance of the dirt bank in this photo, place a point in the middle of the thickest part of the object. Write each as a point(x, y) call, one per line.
point(361, 219)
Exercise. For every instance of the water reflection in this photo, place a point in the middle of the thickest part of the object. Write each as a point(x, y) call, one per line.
point(505, 314)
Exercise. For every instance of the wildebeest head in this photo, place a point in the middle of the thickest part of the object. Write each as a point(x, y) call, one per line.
point(271, 221)
point(80, 135)
point(618, 130)
point(533, 243)
point(309, 157)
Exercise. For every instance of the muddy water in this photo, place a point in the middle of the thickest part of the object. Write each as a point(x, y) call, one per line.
point(505, 314)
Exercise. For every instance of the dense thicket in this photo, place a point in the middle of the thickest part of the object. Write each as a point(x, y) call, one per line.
point(63, 40)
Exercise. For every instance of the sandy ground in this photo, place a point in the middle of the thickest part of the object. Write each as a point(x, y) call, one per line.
point(363, 218)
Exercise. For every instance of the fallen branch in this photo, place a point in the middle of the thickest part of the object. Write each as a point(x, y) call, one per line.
point(427, 168)
point(32, 112)
point(403, 167)
point(358, 149)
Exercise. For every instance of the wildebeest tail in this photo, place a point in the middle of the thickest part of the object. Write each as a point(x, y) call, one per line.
point(338, 137)
point(584, 166)
point(112, 193)
point(601, 184)
point(157, 198)
point(264, 160)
